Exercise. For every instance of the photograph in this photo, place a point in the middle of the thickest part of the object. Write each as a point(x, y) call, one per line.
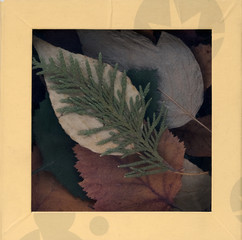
point(121, 120)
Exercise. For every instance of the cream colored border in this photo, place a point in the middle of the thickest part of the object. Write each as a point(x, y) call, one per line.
point(18, 18)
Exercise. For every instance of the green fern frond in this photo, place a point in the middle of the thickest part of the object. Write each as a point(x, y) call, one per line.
point(124, 120)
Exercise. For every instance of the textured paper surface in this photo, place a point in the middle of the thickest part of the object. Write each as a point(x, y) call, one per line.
point(19, 17)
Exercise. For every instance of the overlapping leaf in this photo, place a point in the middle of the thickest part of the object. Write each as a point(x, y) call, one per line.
point(105, 183)
point(196, 138)
point(49, 195)
point(203, 54)
point(56, 148)
point(175, 64)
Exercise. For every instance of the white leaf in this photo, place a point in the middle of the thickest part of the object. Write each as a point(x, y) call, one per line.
point(72, 123)
point(179, 73)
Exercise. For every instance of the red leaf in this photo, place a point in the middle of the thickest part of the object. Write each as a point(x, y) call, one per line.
point(105, 182)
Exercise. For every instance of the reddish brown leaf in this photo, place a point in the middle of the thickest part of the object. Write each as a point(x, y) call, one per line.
point(50, 195)
point(105, 183)
point(203, 56)
point(196, 138)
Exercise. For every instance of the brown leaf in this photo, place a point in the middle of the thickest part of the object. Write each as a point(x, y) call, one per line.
point(147, 33)
point(196, 138)
point(203, 56)
point(105, 182)
point(50, 195)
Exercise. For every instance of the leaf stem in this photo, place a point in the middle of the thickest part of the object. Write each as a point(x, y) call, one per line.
point(190, 174)
point(184, 110)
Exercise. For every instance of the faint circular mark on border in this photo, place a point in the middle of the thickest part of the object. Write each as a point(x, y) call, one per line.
point(99, 226)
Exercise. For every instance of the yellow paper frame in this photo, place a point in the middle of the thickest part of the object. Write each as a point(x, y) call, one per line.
point(18, 18)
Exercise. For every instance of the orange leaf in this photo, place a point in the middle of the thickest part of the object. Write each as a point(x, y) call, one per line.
point(104, 181)
point(49, 195)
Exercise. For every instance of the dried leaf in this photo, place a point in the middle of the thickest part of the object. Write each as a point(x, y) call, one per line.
point(105, 183)
point(197, 139)
point(72, 123)
point(179, 73)
point(142, 78)
point(195, 193)
point(147, 33)
point(203, 56)
point(50, 195)
point(56, 148)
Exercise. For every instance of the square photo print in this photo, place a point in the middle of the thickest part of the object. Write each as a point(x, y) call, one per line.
point(121, 120)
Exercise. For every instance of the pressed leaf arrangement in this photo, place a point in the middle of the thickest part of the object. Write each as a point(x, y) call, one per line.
point(125, 127)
